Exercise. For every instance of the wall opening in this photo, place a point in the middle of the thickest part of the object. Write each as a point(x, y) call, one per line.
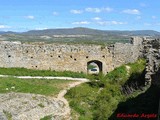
point(9, 56)
point(94, 67)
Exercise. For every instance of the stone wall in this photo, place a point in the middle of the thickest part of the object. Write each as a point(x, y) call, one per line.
point(152, 55)
point(61, 57)
point(127, 53)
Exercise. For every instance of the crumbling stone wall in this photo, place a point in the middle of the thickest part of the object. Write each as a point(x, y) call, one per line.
point(61, 57)
point(127, 53)
point(152, 55)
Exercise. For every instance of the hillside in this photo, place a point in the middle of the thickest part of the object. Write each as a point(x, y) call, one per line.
point(84, 31)
point(88, 31)
point(76, 35)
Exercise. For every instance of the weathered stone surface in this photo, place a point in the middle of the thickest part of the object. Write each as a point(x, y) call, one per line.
point(152, 55)
point(31, 107)
point(61, 57)
point(2, 116)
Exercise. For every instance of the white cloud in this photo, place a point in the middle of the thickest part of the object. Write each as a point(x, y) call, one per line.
point(131, 11)
point(118, 23)
point(98, 10)
point(154, 17)
point(96, 18)
point(111, 23)
point(41, 28)
point(107, 9)
point(81, 23)
point(76, 11)
point(4, 26)
point(30, 17)
point(55, 13)
point(151, 24)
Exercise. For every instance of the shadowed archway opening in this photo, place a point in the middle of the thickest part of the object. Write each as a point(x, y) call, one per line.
point(94, 67)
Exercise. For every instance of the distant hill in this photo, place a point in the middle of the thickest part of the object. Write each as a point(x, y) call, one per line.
point(67, 31)
point(8, 32)
point(2, 32)
point(86, 31)
point(77, 35)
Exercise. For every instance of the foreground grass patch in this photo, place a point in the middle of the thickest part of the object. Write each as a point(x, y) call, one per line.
point(37, 86)
point(30, 72)
point(81, 98)
point(98, 100)
point(47, 117)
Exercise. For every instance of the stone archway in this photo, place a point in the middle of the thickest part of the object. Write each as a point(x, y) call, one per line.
point(94, 67)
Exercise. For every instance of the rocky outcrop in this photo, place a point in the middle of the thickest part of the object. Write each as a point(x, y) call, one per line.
point(20, 106)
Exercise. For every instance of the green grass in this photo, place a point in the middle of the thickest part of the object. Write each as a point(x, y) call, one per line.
point(31, 72)
point(47, 117)
point(37, 86)
point(41, 105)
point(8, 115)
point(81, 98)
point(98, 100)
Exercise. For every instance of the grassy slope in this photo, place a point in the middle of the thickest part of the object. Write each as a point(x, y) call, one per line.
point(30, 72)
point(98, 100)
point(81, 99)
point(37, 86)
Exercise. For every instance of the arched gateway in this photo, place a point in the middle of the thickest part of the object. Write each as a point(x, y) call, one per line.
point(94, 67)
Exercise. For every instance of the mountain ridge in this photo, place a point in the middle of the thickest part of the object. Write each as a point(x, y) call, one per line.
point(85, 31)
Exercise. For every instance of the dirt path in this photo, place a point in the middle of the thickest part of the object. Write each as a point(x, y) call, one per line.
point(46, 77)
point(65, 112)
point(61, 95)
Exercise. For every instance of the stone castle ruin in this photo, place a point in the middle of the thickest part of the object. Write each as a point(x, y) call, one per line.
point(76, 58)
point(63, 57)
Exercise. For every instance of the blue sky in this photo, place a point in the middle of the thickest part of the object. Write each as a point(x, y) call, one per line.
point(24, 15)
